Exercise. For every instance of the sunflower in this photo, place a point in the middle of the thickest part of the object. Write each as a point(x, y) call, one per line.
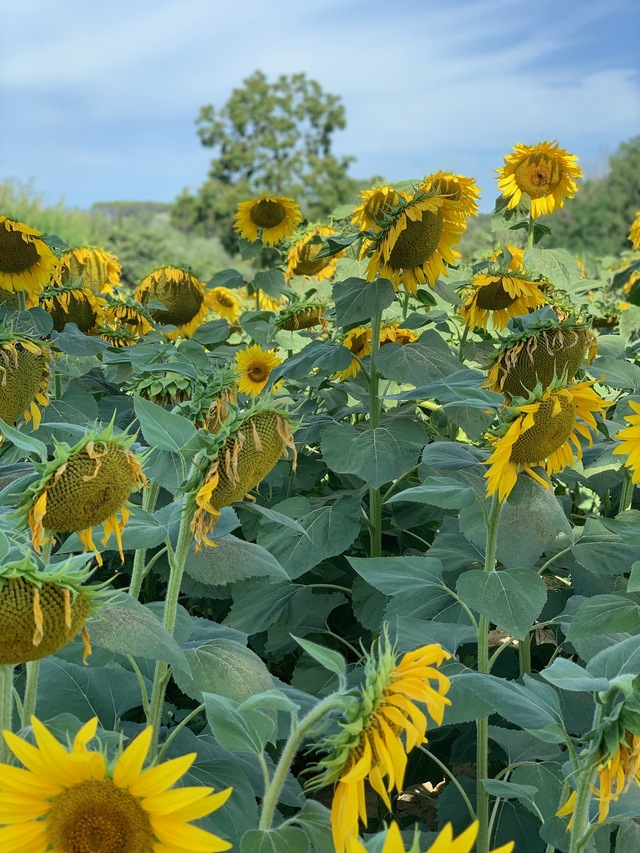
point(116, 335)
point(125, 311)
point(358, 342)
point(303, 260)
point(226, 303)
point(444, 843)
point(376, 205)
point(542, 433)
point(516, 264)
point(500, 297)
point(99, 270)
point(544, 172)
point(26, 262)
point(268, 218)
point(541, 355)
point(24, 377)
point(183, 296)
point(634, 233)
point(303, 315)
point(391, 333)
point(417, 242)
point(630, 444)
point(72, 800)
point(253, 367)
point(371, 743)
point(257, 441)
point(73, 304)
point(83, 486)
point(463, 190)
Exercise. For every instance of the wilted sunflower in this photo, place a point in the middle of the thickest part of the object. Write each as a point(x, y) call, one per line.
point(99, 270)
point(463, 190)
point(72, 800)
point(302, 258)
point(185, 301)
point(417, 242)
point(268, 218)
point(24, 377)
point(258, 440)
point(500, 297)
point(540, 355)
point(73, 304)
point(358, 342)
point(253, 368)
point(116, 335)
point(83, 486)
point(303, 315)
point(444, 843)
point(225, 303)
point(630, 442)
point(634, 233)
point(382, 728)
point(213, 397)
point(544, 172)
point(391, 333)
point(541, 433)
point(125, 311)
point(26, 262)
point(376, 204)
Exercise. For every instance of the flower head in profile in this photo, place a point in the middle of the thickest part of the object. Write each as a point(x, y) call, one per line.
point(544, 172)
point(303, 259)
point(630, 442)
point(26, 262)
point(268, 218)
point(225, 303)
point(303, 315)
point(634, 233)
point(444, 843)
point(24, 377)
point(98, 270)
point(376, 204)
point(458, 188)
point(128, 312)
point(516, 261)
point(383, 726)
point(253, 368)
point(186, 304)
point(72, 800)
point(73, 303)
point(358, 342)
point(498, 297)
point(543, 432)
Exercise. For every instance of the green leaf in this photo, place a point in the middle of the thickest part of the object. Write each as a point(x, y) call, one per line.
point(271, 282)
point(510, 599)
point(289, 839)
point(232, 560)
point(397, 575)
point(162, 429)
point(24, 441)
point(619, 659)
point(357, 300)
point(225, 668)
point(417, 364)
point(257, 606)
point(618, 373)
point(511, 791)
point(603, 614)
point(444, 492)
point(567, 675)
point(558, 265)
point(247, 730)
point(328, 658)
point(467, 704)
point(413, 633)
point(74, 342)
point(212, 333)
point(377, 455)
point(226, 278)
point(315, 821)
point(634, 578)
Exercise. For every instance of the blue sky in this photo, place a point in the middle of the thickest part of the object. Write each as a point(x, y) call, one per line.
point(98, 100)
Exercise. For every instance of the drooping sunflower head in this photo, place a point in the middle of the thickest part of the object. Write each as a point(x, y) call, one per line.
point(634, 232)
point(417, 242)
point(358, 342)
point(496, 298)
point(166, 386)
point(544, 172)
point(375, 207)
point(128, 312)
point(74, 801)
point(26, 262)
point(24, 377)
point(83, 486)
point(253, 368)
point(391, 333)
point(183, 297)
point(213, 399)
point(226, 303)
point(73, 304)
point(256, 439)
point(116, 335)
point(383, 725)
point(42, 608)
point(542, 432)
point(98, 270)
point(463, 190)
point(303, 315)
point(630, 442)
point(302, 258)
point(268, 218)
point(540, 355)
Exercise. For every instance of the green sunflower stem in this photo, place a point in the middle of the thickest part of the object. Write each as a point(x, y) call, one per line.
point(626, 493)
point(22, 300)
point(30, 691)
point(530, 233)
point(580, 830)
point(482, 725)
point(524, 654)
point(6, 707)
point(149, 499)
point(293, 744)
point(375, 503)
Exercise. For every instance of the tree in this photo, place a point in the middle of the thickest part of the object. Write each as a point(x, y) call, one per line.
point(274, 138)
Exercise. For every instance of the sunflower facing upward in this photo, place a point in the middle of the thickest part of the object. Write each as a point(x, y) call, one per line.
point(444, 843)
point(26, 262)
point(630, 443)
point(543, 172)
point(268, 218)
point(254, 366)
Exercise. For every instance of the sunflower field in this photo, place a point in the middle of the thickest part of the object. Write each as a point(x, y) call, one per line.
point(338, 556)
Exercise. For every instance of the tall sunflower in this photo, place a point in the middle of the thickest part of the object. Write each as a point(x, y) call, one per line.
point(83, 486)
point(544, 172)
point(541, 433)
point(268, 218)
point(444, 843)
point(24, 377)
point(26, 262)
point(302, 258)
point(630, 442)
point(417, 242)
point(73, 304)
point(183, 296)
point(498, 298)
point(253, 367)
point(226, 303)
point(72, 800)
point(99, 270)
point(634, 233)
point(458, 188)
point(358, 342)
point(384, 724)
point(377, 203)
